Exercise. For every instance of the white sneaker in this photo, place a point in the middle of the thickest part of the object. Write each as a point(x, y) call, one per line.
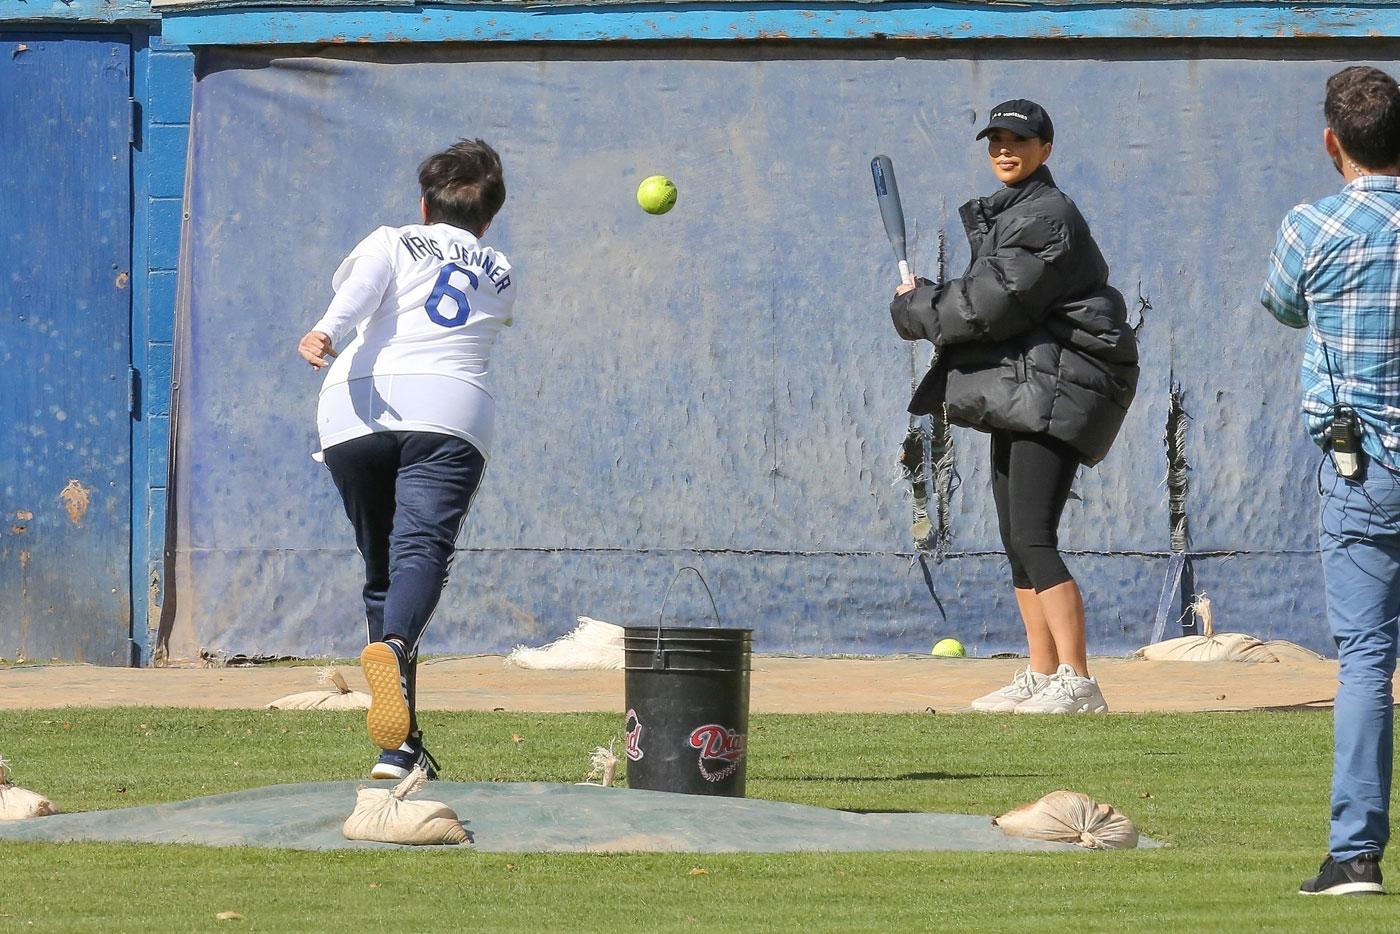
point(1066, 692)
point(1022, 688)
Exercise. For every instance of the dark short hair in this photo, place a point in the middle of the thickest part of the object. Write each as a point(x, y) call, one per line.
point(1363, 109)
point(463, 185)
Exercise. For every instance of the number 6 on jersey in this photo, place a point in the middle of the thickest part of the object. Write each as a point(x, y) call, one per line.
point(443, 290)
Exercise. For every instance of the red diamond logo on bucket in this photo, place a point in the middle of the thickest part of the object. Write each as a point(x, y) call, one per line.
point(634, 736)
point(720, 743)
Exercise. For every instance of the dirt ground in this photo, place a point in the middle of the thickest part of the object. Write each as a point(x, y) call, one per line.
point(780, 685)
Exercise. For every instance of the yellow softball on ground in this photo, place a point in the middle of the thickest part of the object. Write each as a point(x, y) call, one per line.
point(656, 194)
point(949, 648)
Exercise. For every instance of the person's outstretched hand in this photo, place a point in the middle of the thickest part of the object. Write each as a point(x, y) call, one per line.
point(314, 348)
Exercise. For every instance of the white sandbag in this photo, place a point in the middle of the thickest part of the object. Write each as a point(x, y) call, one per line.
point(1286, 651)
point(384, 816)
point(1212, 646)
point(336, 695)
point(1217, 647)
point(18, 803)
point(591, 645)
point(1069, 817)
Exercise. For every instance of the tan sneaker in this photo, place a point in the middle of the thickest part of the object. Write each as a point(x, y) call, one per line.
point(386, 670)
point(1004, 700)
point(1066, 692)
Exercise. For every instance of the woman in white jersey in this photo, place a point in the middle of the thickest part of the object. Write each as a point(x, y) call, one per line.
point(406, 412)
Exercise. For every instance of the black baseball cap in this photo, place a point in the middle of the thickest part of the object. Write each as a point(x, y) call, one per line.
point(1022, 117)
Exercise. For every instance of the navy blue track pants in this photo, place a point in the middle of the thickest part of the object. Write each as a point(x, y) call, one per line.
point(406, 493)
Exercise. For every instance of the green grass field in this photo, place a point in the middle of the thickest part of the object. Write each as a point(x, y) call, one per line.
point(1241, 798)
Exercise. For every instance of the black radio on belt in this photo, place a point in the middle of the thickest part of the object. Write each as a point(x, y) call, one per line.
point(1344, 441)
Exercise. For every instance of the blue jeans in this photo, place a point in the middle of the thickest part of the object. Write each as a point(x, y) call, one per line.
point(1360, 545)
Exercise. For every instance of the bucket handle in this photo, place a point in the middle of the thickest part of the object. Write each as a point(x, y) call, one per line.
point(658, 661)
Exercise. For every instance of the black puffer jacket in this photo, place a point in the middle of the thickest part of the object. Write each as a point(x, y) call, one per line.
point(1032, 338)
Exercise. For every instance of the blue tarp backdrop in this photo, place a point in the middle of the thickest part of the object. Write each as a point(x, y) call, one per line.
point(721, 385)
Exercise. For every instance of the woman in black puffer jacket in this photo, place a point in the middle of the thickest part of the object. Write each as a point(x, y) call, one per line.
point(1035, 349)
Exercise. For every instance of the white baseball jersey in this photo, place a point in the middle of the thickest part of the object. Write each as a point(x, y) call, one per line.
point(425, 303)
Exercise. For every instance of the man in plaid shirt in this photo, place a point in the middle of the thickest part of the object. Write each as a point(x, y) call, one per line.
point(1336, 271)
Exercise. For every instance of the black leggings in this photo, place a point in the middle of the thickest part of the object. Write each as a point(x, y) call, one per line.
point(1031, 477)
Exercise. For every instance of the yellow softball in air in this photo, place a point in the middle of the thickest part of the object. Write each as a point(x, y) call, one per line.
point(656, 194)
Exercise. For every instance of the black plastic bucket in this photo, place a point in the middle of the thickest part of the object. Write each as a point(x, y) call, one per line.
point(688, 706)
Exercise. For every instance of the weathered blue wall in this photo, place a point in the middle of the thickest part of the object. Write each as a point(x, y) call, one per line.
point(721, 385)
point(65, 474)
point(164, 81)
point(235, 22)
point(161, 77)
point(1278, 580)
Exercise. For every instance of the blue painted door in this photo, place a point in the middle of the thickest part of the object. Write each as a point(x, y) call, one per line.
point(65, 309)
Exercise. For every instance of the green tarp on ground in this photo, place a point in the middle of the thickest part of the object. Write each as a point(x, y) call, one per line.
point(530, 817)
